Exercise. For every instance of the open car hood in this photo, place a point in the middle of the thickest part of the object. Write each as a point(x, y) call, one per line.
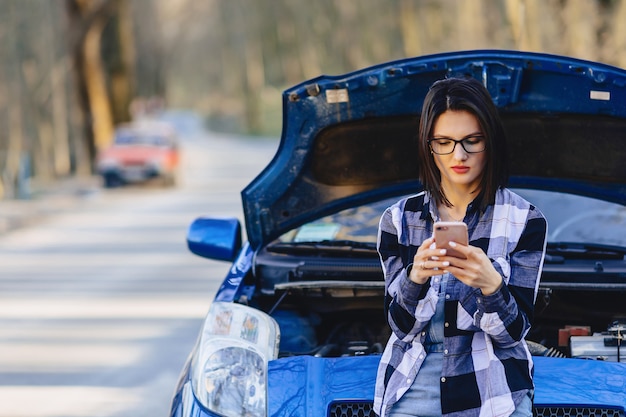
point(351, 139)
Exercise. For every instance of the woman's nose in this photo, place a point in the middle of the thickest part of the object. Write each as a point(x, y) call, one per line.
point(459, 153)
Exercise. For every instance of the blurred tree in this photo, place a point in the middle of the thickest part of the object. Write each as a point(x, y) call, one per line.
point(151, 61)
point(102, 48)
point(13, 146)
point(230, 59)
point(37, 131)
point(41, 137)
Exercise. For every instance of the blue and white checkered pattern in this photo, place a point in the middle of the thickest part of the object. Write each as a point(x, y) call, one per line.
point(487, 368)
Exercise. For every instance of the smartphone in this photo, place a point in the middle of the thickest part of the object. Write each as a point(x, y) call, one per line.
point(451, 231)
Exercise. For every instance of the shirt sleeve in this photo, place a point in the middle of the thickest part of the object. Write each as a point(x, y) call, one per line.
point(507, 314)
point(407, 304)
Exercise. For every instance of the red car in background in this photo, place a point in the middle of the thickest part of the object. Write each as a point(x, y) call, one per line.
point(141, 152)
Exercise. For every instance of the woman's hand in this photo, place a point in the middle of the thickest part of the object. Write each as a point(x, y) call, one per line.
point(427, 262)
point(475, 271)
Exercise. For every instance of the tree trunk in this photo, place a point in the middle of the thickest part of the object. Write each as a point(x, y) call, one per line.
point(15, 148)
point(120, 60)
point(581, 28)
point(103, 96)
point(95, 82)
point(409, 27)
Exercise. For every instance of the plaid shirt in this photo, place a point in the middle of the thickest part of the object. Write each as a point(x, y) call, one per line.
point(487, 367)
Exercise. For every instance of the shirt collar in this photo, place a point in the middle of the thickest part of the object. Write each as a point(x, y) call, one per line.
point(430, 211)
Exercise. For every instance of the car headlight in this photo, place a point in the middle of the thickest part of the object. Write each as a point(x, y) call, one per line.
point(229, 369)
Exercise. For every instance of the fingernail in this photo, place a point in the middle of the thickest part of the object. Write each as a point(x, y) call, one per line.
point(442, 251)
point(446, 263)
point(434, 258)
point(452, 244)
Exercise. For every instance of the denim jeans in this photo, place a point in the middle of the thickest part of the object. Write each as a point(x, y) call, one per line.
point(423, 399)
point(525, 408)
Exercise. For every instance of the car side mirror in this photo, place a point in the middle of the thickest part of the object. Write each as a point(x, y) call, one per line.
point(215, 238)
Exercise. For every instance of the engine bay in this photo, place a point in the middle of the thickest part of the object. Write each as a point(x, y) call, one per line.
point(325, 310)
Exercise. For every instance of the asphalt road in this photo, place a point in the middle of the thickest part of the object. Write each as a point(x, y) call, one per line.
point(100, 300)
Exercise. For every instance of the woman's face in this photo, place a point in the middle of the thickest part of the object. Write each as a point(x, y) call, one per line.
point(460, 170)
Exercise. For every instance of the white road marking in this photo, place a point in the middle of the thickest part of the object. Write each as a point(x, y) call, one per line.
point(67, 401)
point(84, 308)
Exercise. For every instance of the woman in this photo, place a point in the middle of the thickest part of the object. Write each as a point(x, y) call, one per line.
point(458, 325)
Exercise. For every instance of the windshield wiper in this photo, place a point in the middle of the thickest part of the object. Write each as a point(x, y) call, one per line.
point(571, 250)
point(329, 247)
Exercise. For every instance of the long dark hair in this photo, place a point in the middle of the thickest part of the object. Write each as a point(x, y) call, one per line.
point(470, 95)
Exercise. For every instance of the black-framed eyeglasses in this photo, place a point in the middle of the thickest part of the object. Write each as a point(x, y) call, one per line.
point(445, 146)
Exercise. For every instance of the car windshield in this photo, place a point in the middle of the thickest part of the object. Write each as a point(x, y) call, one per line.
point(571, 218)
point(578, 219)
point(133, 138)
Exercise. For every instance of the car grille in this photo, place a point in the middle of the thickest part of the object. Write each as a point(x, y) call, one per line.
point(364, 409)
point(351, 409)
point(577, 412)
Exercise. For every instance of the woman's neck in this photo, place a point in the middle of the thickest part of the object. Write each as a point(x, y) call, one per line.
point(459, 200)
point(452, 214)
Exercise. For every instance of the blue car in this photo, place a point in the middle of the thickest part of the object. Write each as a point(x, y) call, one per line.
point(297, 327)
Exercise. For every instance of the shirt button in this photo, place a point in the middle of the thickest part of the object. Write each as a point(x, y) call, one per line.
point(423, 333)
point(408, 381)
point(447, 296)
point(436, 279)
point(478, 301)
point(421, 357)
point(443, 379)
point(445, 351)
point(446, 324)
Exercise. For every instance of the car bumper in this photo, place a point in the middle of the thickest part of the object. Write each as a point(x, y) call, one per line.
point(133, 174)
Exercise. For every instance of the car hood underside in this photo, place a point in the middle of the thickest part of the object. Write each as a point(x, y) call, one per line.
point(351, 139)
